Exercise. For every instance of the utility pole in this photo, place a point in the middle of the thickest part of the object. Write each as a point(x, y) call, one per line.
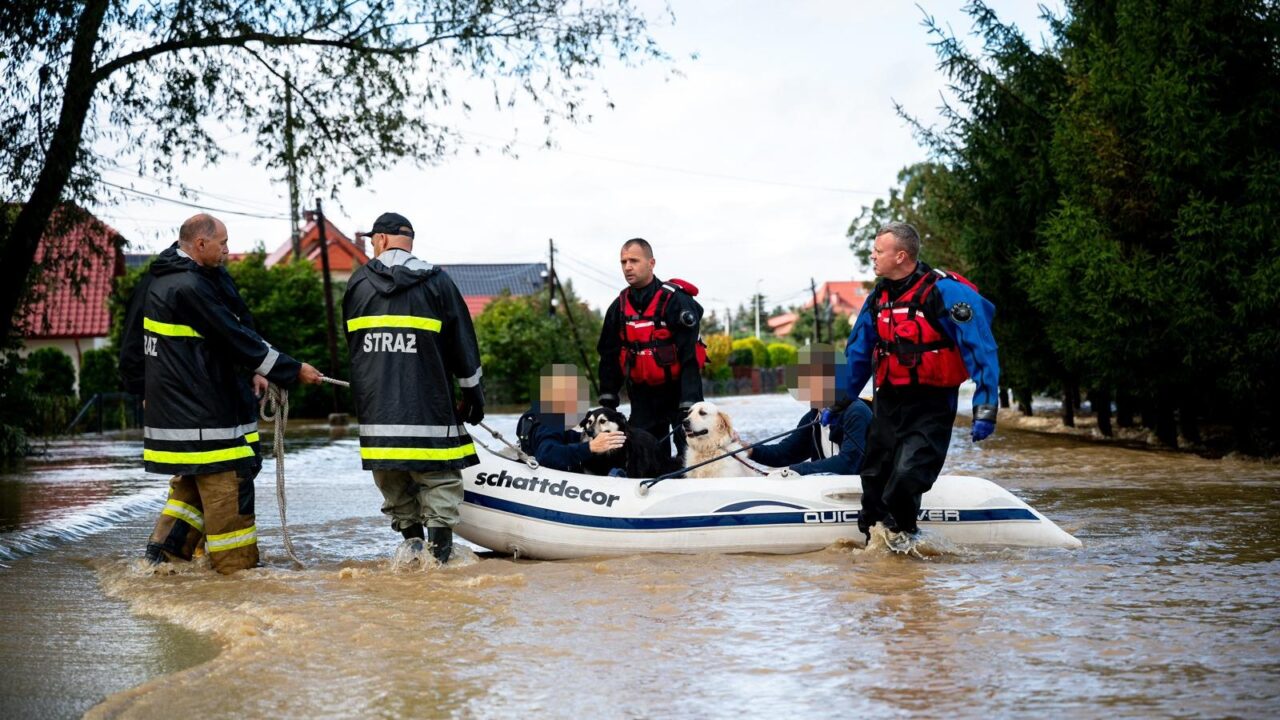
point(756, 301)
point(551, 277)
point(817, 324)
point(291, 167)
point(328, 305)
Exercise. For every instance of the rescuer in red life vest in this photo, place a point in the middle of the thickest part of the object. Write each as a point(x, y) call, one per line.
point(650, 342)
point(921, 333)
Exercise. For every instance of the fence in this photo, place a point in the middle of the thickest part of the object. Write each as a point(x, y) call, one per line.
point(746, 381)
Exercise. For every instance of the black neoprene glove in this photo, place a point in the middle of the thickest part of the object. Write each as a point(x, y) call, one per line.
point(471, 405)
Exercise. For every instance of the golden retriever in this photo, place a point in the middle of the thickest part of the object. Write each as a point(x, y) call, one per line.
point(709, 432)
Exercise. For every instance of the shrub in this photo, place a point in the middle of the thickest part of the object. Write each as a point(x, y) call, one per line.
point(782, 354)
point(756, 346)
point(50, 372)
point(98, 373)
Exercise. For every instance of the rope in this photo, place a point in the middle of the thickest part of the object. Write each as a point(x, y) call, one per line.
point(277, 399)
point(524, 457)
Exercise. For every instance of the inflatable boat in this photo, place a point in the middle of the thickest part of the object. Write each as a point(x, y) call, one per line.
point(517, 508)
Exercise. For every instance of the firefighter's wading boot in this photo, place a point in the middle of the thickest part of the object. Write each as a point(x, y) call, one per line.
point(440, 540)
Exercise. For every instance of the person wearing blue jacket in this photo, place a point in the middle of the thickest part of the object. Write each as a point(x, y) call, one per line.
point(834, 436)
point(547, 431)
point(922, 332)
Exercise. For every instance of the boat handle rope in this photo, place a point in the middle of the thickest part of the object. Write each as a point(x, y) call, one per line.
point(524, 457)
point(277, 399)
point(646, 484)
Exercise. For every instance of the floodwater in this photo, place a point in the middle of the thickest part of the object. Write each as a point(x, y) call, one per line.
point(1169, 610)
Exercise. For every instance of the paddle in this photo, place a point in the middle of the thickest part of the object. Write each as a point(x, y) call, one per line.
point(646, 484)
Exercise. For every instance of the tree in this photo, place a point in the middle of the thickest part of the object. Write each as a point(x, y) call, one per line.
point(997, 148)
point(287, 304)
point(921, 200)
point(369, 77)
point(518, 338)
point(1166, 151)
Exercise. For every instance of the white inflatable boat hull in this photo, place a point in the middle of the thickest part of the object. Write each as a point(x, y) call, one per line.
point(510, 508)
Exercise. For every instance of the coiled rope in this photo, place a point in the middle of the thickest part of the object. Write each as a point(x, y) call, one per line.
point(277, 399)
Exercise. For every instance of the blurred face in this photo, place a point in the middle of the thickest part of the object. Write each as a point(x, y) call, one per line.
point(562, 392)
point(816, 388)
point(637, 268)
point(211, 251)
point(814, 380)
point(888, 260)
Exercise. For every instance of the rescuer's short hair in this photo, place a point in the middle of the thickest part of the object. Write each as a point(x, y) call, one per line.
point(642, 243)
point(905, 235)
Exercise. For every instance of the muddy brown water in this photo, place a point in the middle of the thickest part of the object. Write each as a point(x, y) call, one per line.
point(1169, 610)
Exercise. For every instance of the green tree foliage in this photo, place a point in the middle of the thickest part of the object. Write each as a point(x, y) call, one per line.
point(369, 81)
point(519, 337)
point(99, 372)
point(1117, 195)
point(287, 304)
point(1167, 154)
point(1000, 184)
point(920, 199)
point(835, 329)
point(50, 372)
point(15, 401)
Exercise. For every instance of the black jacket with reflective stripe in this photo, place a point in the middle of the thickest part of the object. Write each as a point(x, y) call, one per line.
point(410, 338)
point(198, 359)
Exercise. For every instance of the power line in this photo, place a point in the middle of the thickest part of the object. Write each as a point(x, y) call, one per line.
point(197, 206)
point(235, 200)
point(678, 170)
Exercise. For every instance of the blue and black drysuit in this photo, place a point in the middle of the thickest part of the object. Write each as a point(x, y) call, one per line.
point(915, 400)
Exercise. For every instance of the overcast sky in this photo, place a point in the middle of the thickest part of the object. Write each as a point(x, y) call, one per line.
point(747, 169)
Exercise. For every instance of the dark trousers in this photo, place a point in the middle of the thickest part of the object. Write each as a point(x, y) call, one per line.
point(656, 410)
point(906, 447)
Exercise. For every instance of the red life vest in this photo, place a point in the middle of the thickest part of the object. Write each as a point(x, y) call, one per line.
point(912, 348)
point(649, 355)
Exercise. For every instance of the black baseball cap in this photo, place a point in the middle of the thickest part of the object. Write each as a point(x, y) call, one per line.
point(390, 224)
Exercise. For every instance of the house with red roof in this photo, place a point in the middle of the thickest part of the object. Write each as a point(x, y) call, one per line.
point(68, 306)
point(844, 297)
point(478, 283)
point(345, 254)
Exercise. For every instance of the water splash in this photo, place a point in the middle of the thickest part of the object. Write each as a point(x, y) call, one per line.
point(79, 524)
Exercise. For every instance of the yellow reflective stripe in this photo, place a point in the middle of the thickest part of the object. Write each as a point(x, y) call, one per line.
point(197, 458)
point(393, 321)
point(170, 329)
point(231, 540)
point(251, 437)
point(184, 512)
point(392, 453)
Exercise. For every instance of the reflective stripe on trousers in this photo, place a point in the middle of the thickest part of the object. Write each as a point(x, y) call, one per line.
point(184, 512)
point(231, 540)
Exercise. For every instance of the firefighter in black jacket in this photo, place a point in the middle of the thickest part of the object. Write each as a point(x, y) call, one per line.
point(650, 341)
point(410, 337)
point(186, 333)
